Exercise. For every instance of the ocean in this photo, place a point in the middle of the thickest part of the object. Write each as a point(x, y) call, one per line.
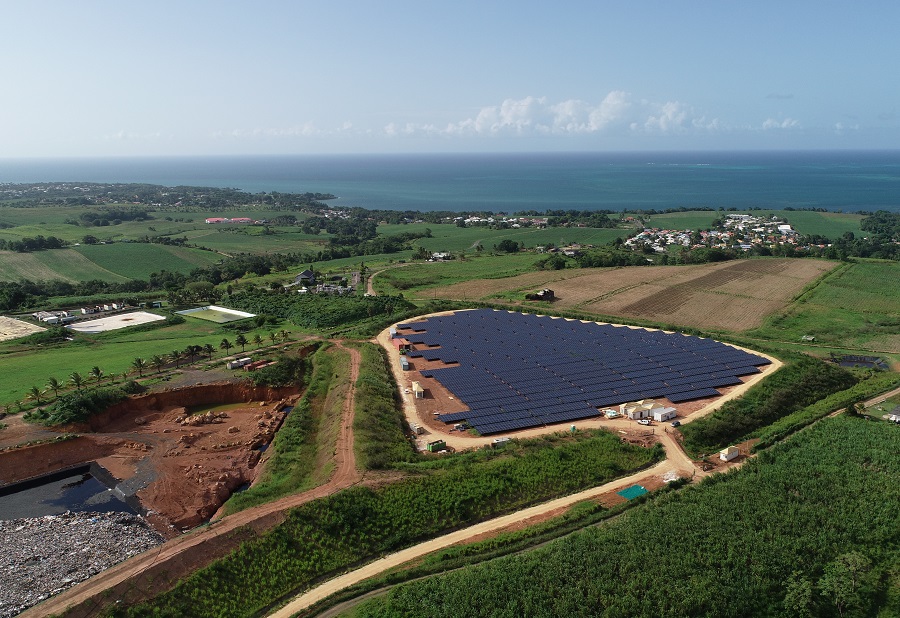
point(834, 180)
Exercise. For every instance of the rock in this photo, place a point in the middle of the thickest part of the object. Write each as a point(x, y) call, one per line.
point(233, 429)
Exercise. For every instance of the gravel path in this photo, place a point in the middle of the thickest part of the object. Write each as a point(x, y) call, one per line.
point(42, 556)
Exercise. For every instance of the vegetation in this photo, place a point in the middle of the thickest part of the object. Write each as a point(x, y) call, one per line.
point(288, 370)
point(360, 523)
point(378, 430)
point(798, 384)
point(813, 534)
point(77, 407)
point(294, 448)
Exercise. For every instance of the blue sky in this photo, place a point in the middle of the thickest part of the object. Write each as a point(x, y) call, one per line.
point(111, 78)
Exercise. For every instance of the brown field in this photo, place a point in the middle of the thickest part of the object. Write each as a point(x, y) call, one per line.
point(733, 296)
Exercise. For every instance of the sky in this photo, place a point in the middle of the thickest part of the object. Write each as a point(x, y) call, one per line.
point(107, 78)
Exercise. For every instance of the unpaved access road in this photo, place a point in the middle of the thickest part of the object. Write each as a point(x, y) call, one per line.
point(185, 554)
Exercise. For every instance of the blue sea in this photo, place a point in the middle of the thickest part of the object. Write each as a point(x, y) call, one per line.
point(834, 180)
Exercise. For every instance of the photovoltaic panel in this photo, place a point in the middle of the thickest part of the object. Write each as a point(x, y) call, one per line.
point(543, 364)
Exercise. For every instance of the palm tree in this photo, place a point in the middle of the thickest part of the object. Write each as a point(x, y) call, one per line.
point(76, 379)
point(284, 335)
point(96, 373)
point(175, 357)
point(158, 361)
point(36, 395)
point(241, 341)
point(209, 349)
point(226, 345)
point(139, 364)
point(257, 340)
point(273, 336)
point(54, 385)
point(191, 352)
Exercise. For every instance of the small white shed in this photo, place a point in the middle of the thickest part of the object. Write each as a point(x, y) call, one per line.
point(727, 454)
point(664, 414)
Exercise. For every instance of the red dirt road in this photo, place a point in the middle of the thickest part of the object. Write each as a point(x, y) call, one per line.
point(152, 572)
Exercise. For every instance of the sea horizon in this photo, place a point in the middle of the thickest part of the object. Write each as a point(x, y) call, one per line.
point(834, 180)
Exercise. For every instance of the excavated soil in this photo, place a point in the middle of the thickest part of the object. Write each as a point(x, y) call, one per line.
point(182, 467)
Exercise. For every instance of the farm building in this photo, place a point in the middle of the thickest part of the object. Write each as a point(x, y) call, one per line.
point(237, 364)
point(307, 277)
point(664, 414)
point(216, 220)
point(636, 410)
point(418, 390)
point(729, 453)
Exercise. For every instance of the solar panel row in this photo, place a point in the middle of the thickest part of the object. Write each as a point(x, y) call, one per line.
point(522, 363)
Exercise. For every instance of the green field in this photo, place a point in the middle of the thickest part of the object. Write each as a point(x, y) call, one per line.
point(423, 276)
point(113, 263)
point(856, 306)
point(689, 220)
point(454, 239)
point(113, 352)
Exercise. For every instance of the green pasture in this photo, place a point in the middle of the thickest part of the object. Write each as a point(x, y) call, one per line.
point(416, 279)
point(454, 239)
point(112, 351)
point(856, 306)
point(114, 263)
point(689, 220)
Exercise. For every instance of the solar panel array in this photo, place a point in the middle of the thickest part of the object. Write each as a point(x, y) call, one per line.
point(517, 370)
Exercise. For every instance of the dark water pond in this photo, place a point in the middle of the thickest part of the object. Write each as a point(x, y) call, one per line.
point(77, 491)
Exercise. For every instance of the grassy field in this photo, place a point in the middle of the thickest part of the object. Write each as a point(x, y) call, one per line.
point(424, 278)
point(856, 306)
point(113, 352)
point(114, 263)
point(829, 224)
point(455, 239)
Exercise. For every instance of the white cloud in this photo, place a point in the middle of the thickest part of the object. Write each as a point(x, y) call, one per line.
point(307, 129)
point(787, 123)
point(618, 112)
point(127, 136)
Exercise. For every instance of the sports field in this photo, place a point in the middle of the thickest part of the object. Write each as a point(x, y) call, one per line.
point(219, 315)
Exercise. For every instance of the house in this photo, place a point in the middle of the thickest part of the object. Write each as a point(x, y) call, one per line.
point(728, 454)
point(244, 220)
point(307, 278)
point(215, 220)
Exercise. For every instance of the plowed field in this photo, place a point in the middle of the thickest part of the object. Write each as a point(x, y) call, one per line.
point(734, 296)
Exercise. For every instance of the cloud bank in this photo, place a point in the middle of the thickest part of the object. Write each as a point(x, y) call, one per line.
point(618, 113)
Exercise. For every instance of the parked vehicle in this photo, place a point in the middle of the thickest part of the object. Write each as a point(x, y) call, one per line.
point(644, 421)
point(676, 423)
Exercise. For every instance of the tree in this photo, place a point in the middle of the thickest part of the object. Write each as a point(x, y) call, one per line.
point(226, 345)
point(798, 598)
point(257, 340)
point(96, 373)
point(158, 362)
point(54, 385)
point(36, 395)
point(842, 580)
point(192, 351)
point(508, 246)
point(139, 365)
point(175, 357)
point(76, 379)
point(284, 335)
point(241, 341)
point(273, 336)
point(209, 349)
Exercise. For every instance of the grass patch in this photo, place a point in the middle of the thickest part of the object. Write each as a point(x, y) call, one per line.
point(360, 523)
point(292, 466)
point(855, 307)
point(799, 383)
point(419, 277)
point(380, 439)
point(827, 493)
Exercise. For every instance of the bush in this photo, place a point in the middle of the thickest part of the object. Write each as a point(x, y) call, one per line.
point(77, 407)
point(287, 371)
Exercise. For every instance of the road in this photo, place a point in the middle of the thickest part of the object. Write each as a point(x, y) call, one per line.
point(202, 543)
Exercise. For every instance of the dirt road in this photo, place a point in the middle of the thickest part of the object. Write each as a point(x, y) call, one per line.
point(147, 574)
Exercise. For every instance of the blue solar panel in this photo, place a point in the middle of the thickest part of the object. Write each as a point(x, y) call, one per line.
point(520, 364)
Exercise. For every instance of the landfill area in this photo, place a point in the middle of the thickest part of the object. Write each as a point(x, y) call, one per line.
point(42, 556)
